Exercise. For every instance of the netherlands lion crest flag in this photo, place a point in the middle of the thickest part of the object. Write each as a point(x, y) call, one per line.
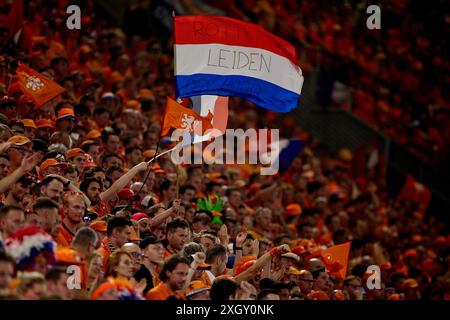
point(37, 87)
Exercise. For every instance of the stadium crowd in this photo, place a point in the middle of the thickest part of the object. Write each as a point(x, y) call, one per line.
point(395, 78)
point(84, 216)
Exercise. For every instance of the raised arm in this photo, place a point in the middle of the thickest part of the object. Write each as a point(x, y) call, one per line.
point(27, 164)
point(160, 218)
point(261, 262)
point(111, 193)
point(72, 187)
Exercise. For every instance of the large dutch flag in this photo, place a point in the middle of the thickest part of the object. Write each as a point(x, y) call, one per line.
point(227, 57)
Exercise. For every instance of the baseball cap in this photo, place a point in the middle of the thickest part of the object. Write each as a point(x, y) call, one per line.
point(66, 113)
point(29, 123)
point(204, 266)
point(72, 153)
point(291, 255)
point(39, 145)
point(133, 104)
point(50, 163)
point(294, 271)
point(293, 210)
point(93, 134)
point(195, 287)
point(42, 123)
point(108, 95)
point(19, 140)
point(148, 241)
point(139, 216)
point(410, 283)
point(125, 193)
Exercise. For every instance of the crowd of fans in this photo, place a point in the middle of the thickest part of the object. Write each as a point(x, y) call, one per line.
point(395, 78)
point(85, 216)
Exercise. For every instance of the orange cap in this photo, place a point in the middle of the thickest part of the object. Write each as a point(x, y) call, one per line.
point(19, 140)
point(410, 283)
point(42, 123)
point(411, 253)
point(195, 287)
point(294, 271)
point(93, 134)
point(72, 153)
point(50, 163)
point(394, 296)
point(29, 123)
point(133, 104)
point(144, 93)
point(65, 113)
point(98, 225)
point(293, 210)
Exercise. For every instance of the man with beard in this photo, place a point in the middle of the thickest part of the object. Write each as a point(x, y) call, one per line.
point(173, 277)
point(74, 207)
point(153, 251)
point(93, 187)
point(18, 191)
point(53, 185)
point(48, 212)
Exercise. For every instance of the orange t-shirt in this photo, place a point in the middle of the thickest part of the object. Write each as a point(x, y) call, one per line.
point(105, 251)
point(161, 292)
point(64, 237)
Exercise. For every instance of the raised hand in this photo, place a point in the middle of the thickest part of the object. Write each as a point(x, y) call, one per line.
point(29, 162)
point(240, 238)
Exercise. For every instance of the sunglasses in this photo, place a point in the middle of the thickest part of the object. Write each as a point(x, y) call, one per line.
point(137, 255)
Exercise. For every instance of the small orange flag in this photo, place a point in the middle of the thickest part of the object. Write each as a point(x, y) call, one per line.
point(37, 87)
point(179, 117)
point(336, 259)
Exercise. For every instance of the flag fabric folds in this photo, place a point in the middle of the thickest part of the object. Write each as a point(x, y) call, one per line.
point(218, 107)
point(179, 117)
point(227, 57)
point(284, 152)
point(336, 259)
point(37, 87)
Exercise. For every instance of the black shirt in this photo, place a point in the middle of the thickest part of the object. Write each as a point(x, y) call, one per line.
point(142, 273)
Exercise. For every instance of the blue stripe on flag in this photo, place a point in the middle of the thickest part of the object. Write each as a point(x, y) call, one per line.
point(288, 154)
point(260, 92)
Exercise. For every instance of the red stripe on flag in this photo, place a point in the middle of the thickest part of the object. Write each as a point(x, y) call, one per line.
point(223, 30)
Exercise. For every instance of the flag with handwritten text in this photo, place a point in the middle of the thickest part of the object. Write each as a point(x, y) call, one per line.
point(227, 57)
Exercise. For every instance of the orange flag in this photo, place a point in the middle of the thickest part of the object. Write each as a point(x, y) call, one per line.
point(37, 87)
point(336, 259)
point(179, 117)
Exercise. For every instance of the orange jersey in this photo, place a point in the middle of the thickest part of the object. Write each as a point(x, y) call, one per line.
point(161, 292)
point(64, 237)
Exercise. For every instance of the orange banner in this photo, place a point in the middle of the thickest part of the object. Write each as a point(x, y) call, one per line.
point(336, 259)
point(179, 117)
point(37, 87)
